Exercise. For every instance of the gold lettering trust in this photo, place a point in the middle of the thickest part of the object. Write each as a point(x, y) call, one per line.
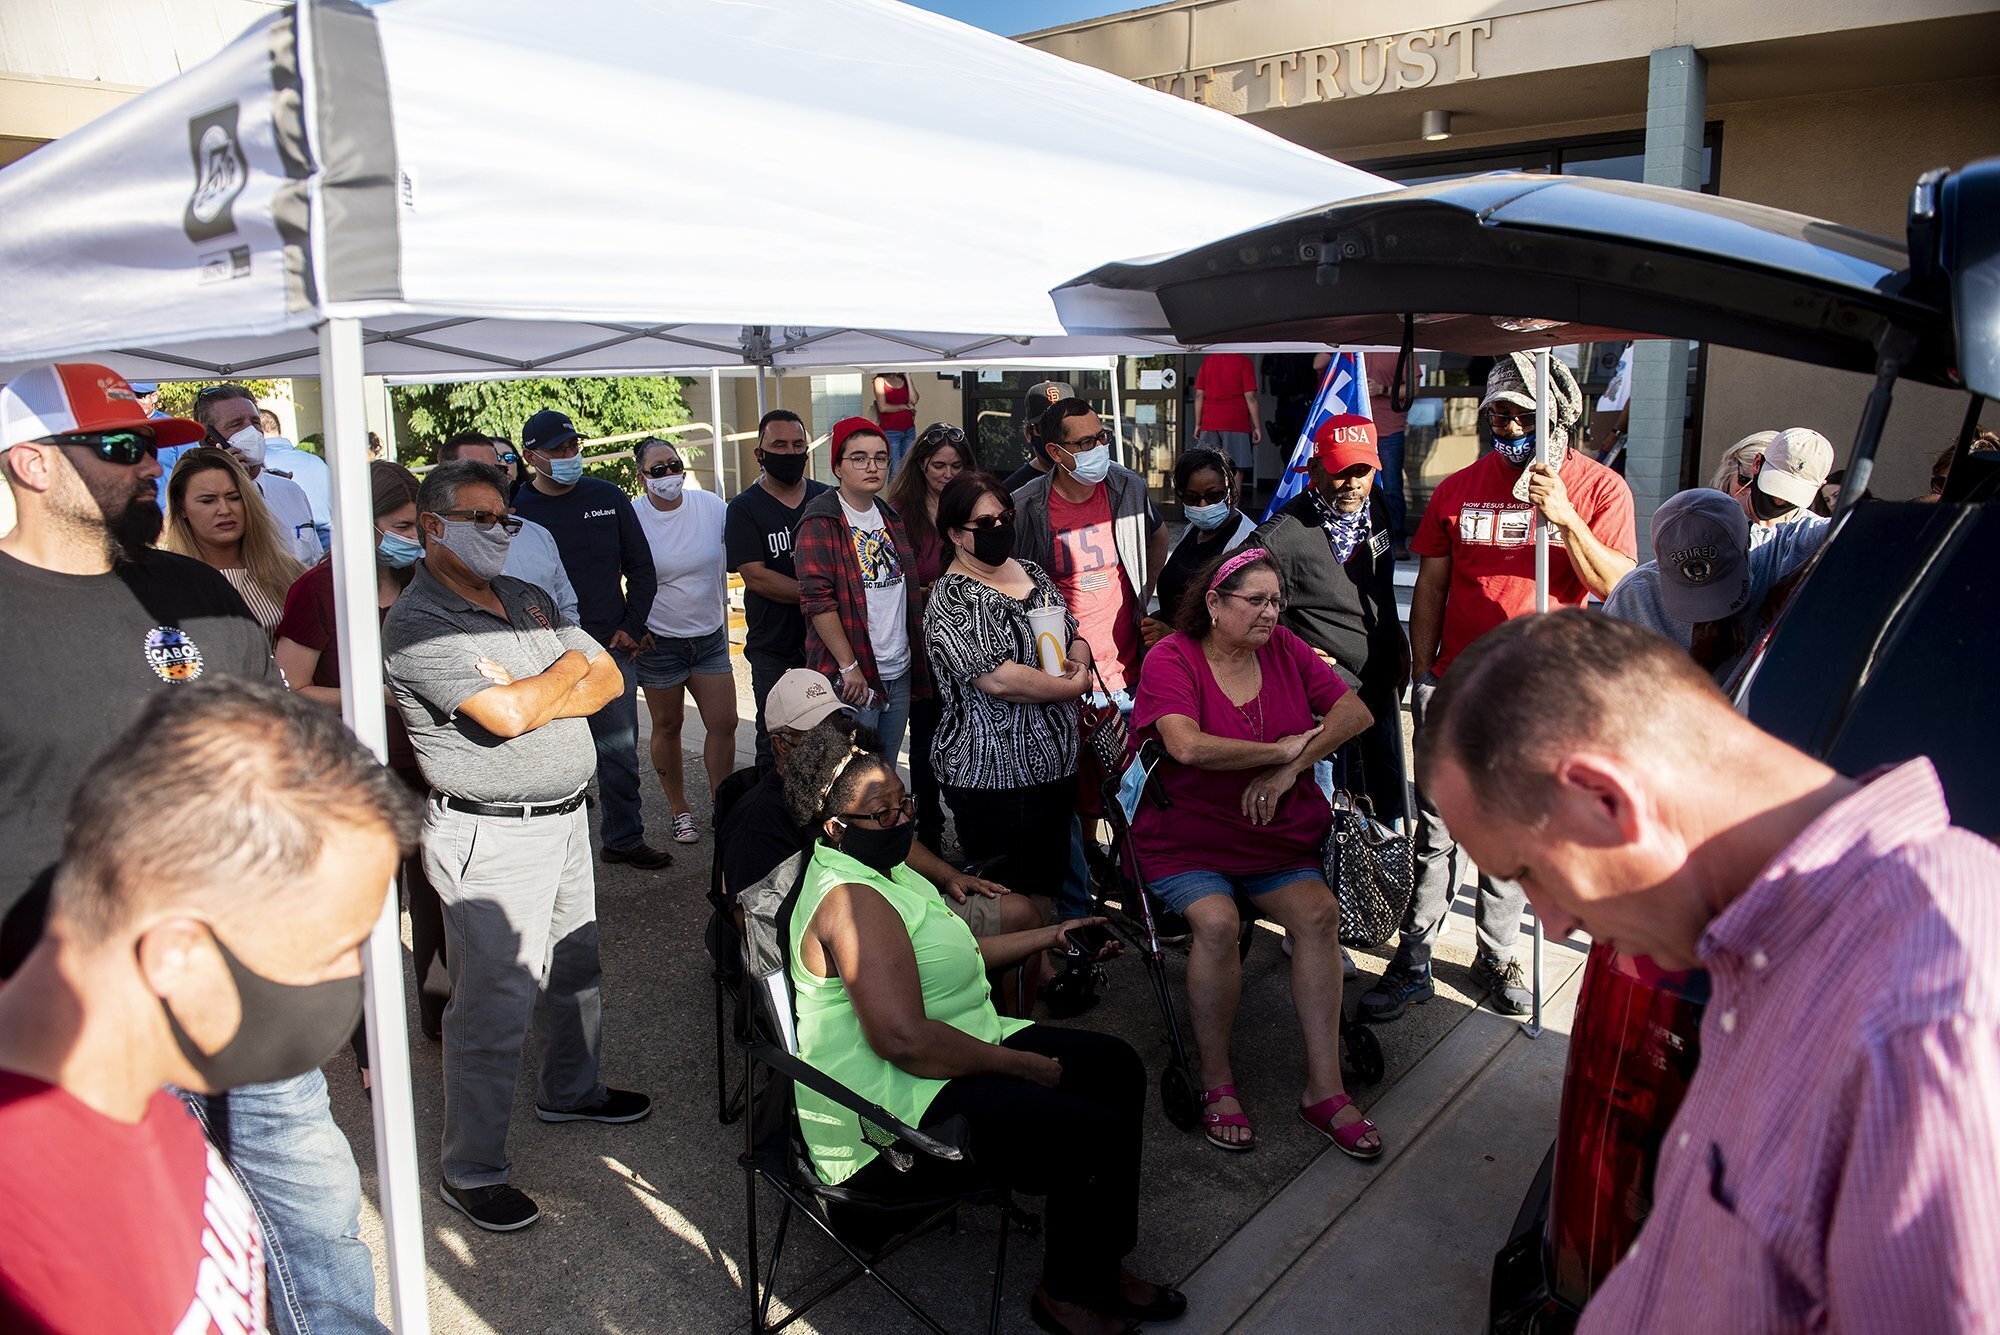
point(1326, 73)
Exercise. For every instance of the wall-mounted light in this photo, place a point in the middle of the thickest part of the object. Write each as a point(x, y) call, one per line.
point(1437, 125)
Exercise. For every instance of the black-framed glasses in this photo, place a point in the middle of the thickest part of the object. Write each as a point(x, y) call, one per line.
point(1260, 602)
point(562, 451)
point(1088, 442)
point(482, 520)
point(887, 819)
point(509, 457)
point(666, 469)
point(1005, 519)
point(124, 448)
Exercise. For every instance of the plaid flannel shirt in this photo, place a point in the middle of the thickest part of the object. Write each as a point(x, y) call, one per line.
point(830, 581)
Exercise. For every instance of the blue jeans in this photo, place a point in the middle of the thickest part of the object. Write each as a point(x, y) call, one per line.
point(1390, 480)
point(892, 720)
point(899, 445)
point(615, 729)
point(290, 1158)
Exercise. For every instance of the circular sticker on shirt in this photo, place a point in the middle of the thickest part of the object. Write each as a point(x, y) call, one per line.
point(171, 654)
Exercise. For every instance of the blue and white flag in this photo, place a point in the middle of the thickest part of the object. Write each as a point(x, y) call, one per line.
point(1342, 392)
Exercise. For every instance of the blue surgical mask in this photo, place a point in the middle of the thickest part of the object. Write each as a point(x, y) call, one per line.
point(564, 472)
point(1092, 466)
point(396, 551)
point(1206, 517)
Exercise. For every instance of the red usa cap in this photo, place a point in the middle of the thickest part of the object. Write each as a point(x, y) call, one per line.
point(62, 398)
point(1345, 440)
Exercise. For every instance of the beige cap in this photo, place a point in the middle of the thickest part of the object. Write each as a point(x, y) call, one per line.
point(1795, 465)
point(800, 699)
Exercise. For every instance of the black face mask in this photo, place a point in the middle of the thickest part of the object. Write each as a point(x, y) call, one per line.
point(785, 469)
point(1767, 507)
point(879, 850)
point(286, 1029)
point(992, 546)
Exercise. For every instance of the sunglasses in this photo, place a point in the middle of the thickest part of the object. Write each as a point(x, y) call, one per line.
point(483, 520)
point(116, 447)
point(666, 470)
point(1500, 415)
point(943, 431)
point(1005, 519)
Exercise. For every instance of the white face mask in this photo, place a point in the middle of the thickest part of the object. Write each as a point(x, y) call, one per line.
point(249, 443)
point(1092, 466)
point(667, 488)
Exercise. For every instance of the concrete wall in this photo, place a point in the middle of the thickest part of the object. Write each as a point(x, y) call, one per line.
point(1850, 158)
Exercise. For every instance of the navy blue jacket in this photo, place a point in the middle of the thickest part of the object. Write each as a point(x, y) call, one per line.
point(604, 553)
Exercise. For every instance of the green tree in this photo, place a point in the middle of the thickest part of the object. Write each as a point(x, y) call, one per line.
point(600, 406)
point(177, 396)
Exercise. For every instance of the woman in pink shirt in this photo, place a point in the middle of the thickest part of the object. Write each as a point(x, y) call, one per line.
point(1243, 708)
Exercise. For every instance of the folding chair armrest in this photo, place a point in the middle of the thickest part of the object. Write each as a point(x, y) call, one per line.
point(802, 1072)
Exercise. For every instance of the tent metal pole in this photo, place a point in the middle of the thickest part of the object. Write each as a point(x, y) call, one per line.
point(1541, 605)
point(762, 406)
point(1117, 412)
point(715, 422)
point(361, 705)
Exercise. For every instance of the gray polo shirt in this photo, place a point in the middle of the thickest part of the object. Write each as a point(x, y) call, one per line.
point(434, 640)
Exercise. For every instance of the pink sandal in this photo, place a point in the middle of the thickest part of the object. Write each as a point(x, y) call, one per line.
point(1346, 1139)
point(1211, 1120)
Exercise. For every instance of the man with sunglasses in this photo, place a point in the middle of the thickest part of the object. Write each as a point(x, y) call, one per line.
point(610, 564)
point(495, 688)
point(229, 412)
point(1477, 541)
point(532, 555)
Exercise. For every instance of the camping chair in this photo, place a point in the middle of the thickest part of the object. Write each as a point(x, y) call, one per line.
point(725, 948)
point(867, 1228)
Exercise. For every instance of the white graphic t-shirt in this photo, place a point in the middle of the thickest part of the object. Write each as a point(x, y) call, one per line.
point(888, 604)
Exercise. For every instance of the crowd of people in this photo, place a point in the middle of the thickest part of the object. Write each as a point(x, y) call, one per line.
point(1007, 632)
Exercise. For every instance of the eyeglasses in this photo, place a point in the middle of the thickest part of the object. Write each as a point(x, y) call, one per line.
point(1088, 442)
point(1260, 602)
point(1216, 497)
point(869, 462)
point(562, 451)
point(1005, 519)
point(888, 818)
point(483, 520)
point(1500, 414)
point(124, 448)
point(666, 470)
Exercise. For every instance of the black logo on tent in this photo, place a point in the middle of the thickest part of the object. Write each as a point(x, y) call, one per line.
point(220, 173)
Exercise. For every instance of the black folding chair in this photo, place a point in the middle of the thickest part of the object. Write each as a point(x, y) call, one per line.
point(868, 1228)
point(725, 949)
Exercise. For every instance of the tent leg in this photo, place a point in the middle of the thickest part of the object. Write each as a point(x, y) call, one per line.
point(715, 424)
point(1118, 413)
point(762, 406)
point(1541, 605)
point(361, 705)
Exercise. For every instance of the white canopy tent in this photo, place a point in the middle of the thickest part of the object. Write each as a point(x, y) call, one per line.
point(460, 188)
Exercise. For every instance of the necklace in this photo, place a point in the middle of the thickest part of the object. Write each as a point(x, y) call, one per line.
point(1253, 716)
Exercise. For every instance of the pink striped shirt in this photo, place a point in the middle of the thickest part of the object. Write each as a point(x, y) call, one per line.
point(1836, 1164)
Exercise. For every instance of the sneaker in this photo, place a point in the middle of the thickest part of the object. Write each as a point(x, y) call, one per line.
point(684, 828)
point(497, 1209)
point(617, 1105)
point(1172, 928)
point(1399, 989)
point(1349, 970)
point(1505, 987)
point(644, 856)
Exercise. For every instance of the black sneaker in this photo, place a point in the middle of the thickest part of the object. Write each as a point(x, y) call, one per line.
point(1505, 987)
point(644, 856)
point(617, 1105)
point(497, 1209)
point(1399, 990)
point(1172, 928)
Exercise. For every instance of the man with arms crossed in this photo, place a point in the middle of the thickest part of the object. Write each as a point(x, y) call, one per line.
point(1836, 1163)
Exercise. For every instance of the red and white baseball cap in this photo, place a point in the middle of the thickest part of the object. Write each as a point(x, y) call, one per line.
point(1344, 440)
point(61, 398)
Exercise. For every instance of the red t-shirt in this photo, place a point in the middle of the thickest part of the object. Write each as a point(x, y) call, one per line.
point(1203, 828)
point(106, 1226)
point(894, 417)
point(1474, 519)
point(1093, 583)
point(1224, 378)
point(309, 621)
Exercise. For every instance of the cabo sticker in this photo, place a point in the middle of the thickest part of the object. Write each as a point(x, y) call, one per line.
point(171, 654)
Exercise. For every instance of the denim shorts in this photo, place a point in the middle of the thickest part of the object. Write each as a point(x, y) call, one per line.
point(671, 660)
point(1185, 887)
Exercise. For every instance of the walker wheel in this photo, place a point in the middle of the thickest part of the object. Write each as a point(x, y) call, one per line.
point(1364, 1053)
point(1179, 1099)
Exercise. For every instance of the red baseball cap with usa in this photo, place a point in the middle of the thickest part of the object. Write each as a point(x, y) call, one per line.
point(75, 398)
point(1344, 440)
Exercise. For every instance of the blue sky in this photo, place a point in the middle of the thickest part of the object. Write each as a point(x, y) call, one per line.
point(1011, 17)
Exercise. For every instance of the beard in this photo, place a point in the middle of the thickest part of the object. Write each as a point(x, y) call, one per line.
point(132, 529)
point(121, 514)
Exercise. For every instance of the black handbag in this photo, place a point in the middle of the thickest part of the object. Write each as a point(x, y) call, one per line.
point(1103, 730)
point(1371, 869)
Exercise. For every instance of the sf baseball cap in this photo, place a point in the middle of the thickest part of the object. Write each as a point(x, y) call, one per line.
point(1040, 398)
point(1344, 440)
point(1701, 543)
point(800, 699)
point(63, 398)
point(1796, 465)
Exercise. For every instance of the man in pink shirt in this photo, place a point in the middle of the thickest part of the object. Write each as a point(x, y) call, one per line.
point(1836, 1163)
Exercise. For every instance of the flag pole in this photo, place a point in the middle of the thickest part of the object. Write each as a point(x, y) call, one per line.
point(1541, 605)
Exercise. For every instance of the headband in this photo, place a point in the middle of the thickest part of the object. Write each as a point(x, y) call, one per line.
point(840, 769)
point(1236, 563)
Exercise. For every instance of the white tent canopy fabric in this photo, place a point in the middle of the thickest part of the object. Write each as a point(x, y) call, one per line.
point(602, 187)
point(463, 188)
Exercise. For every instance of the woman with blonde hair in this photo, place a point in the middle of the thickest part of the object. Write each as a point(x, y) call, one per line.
point(1736, 470)
point(215, 515)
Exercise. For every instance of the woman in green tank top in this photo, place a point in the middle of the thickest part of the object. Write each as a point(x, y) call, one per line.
point(892, 1001)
